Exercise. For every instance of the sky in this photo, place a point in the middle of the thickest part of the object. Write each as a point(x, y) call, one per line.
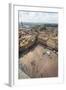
point(38, 17)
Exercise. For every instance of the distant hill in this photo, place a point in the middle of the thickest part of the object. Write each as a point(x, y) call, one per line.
point(29, 25)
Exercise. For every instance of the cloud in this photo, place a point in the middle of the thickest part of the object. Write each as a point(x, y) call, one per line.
point(38, 17)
